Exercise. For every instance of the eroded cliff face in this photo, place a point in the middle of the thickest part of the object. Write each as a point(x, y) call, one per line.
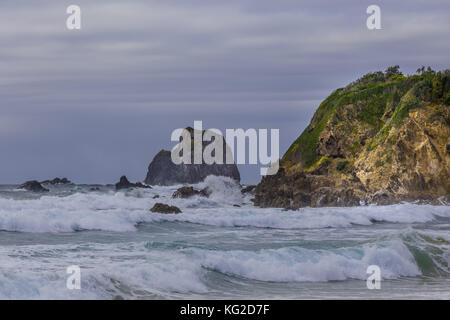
point(383, 139)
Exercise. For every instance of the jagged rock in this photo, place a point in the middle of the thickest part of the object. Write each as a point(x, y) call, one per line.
point(248, 189)
point(162, 171)
point(381, 197)
point(186, 192)
point(380, 140)
point(330, 197)
point(206, 192)
point(141, 185)
point(165, 208)
point(125, 184)
point(33, 186)
point(57, 181)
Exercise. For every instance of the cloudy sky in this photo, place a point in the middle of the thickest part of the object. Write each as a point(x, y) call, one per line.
point(97, 103)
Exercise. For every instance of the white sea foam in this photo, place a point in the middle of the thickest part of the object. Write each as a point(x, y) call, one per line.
point(131, 270)
point(115, 212)
point(225, 190)
point(127, 270)
point(159, 262)
point(309, 218)
point(300, 264)
point(122, 211)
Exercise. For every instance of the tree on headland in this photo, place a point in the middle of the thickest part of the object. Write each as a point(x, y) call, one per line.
point(423, 71)
point(392, 71)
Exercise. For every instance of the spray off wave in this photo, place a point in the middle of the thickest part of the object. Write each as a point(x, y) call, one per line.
point(123, 211)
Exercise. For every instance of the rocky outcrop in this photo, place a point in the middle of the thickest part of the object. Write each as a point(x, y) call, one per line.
point(248, 189)
point(165, 208)
point(187, 192)
point(380, 140)
point(57, 181)
point(33, 186)
point(162, 171)
point(125, 184)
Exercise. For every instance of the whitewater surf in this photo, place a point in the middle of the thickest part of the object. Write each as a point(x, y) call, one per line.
point(214, 249)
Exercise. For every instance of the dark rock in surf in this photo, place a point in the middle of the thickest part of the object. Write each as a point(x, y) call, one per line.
point(248, 189)
point(33, 186)
point(125, 184)
point(165, 208)
point(57, 181)
point(162, 171)
point(186, 192)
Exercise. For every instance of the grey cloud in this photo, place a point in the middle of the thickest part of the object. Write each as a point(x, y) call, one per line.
point(100, 102)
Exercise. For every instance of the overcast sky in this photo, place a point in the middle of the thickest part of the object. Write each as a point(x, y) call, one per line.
point(100, 102)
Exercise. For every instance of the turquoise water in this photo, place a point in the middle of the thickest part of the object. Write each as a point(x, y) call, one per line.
point(213, 249)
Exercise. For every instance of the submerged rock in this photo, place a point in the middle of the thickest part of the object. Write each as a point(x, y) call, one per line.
point(125, 184)
point(381, 140)
point(33, 186)
point(162, 171)
point(186, 192)
point(165, 208)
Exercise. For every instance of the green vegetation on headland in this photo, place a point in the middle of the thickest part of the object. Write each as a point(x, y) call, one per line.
point(373, 95)
point(382, 139)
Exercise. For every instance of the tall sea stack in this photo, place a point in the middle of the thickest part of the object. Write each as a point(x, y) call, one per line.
point(162, 171)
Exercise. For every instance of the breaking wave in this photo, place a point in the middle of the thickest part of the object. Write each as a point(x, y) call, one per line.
point(139, 270)
point(124, 210)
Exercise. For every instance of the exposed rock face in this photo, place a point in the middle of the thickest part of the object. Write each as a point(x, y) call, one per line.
point(57, 181)
point(165, 208)
point(125, 184)
point(186, 192)
point(162, 171)
point(248, 189)
point(33, 186)
point(380, 140)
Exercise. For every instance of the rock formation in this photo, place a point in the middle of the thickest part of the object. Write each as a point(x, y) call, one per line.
point(165, 208)
point(162, 171)
point(57, 181)
point(125, 184)
point(383, 139)
point(187, 192)
point(33, 186)
point(248, 189)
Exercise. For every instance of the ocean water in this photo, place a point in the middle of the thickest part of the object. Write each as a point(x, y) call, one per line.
point(214, 250)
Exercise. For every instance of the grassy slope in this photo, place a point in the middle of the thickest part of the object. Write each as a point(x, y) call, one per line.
point(375, 95)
